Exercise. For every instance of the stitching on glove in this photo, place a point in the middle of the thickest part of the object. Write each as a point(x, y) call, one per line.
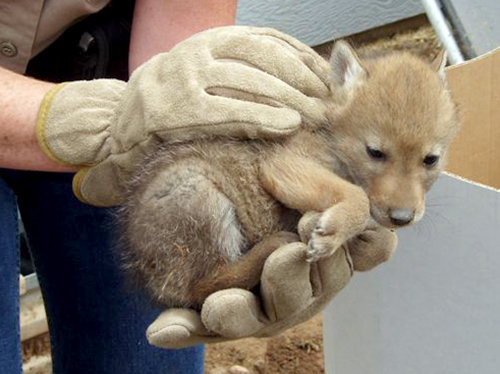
point(316, 287)
point(256, 67)
point(245, 96)
point(162, 329)
point(41, 124)
point(272, 302)
point(349, 259)
point(238, 60)
point(281, 38)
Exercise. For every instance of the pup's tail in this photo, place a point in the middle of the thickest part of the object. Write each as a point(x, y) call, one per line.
point(245, 273)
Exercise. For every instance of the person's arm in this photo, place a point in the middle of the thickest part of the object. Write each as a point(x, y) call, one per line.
point(20, 98)
point(158, 25)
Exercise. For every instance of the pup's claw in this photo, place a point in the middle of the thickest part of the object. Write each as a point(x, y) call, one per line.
point(322, 246)
point(307, 224)
point(313, 254)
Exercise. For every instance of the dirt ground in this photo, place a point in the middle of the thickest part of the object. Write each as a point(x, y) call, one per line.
point(296, 351)
point(299, 350)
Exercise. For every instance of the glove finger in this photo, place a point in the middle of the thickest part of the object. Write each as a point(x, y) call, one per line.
point(293, 42)
point(317, 64)
point(372, 247)
point(232, 313)
point(238, 77)
point(237, 118)
point(178, 328)
point(332, 274)
point(327, 278)
point(299, 66)
point(285, 282)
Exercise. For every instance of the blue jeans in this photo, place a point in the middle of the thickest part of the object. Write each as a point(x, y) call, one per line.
point(97, 322)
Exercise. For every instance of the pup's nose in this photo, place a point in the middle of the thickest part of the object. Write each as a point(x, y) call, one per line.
point(401, 216)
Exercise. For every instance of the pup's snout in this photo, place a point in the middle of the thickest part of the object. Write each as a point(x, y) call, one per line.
point(401, 216)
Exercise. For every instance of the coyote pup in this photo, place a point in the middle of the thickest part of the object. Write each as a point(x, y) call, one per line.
point(204, 215)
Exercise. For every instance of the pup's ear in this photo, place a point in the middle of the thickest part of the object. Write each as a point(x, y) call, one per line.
point(439, 63)
point(347, 70)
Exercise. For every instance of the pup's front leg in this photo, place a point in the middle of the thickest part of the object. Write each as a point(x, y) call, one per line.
point(303, 184)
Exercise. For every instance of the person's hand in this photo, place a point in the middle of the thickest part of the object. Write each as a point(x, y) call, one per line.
point(373, 246)
point(292, 290)
point(232, 81)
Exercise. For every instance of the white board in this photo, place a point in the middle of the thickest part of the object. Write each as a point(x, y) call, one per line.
point(434, 308)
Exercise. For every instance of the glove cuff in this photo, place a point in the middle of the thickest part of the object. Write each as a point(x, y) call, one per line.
point(42, 121)
point(74, 121)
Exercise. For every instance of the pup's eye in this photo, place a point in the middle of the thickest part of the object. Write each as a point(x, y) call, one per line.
point(376, 154)
point(430, 160)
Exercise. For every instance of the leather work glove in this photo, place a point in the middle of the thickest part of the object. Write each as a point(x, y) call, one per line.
point(236, 81)
point(292, 291)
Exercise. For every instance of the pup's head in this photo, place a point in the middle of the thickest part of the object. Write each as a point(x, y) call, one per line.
point(392, 120)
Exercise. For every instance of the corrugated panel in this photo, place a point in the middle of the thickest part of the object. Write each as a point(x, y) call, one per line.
point(317, 22)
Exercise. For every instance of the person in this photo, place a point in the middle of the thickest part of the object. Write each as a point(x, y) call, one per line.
point(50, 131)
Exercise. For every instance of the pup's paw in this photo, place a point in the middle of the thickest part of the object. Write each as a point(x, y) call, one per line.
point(333, 228)
point(326, 237)
point(312, 232)
point(307, 224)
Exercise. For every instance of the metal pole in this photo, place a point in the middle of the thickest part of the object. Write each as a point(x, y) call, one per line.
point(445, 35)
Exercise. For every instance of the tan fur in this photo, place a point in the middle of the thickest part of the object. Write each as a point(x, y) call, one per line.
point(196, 209)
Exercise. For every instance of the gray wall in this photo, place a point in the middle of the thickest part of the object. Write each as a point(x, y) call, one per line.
point(477, 22)
point(317, 22)
point(434, 308)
